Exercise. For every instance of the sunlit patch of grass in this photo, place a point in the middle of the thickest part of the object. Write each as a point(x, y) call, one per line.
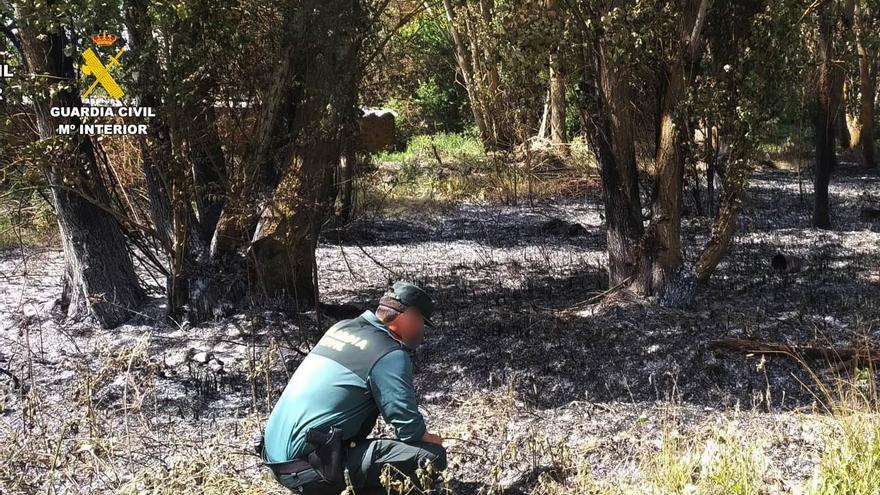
point(850, 463)
point(582, 482)
point(455, 167)
point(724, 463)
point(452, 148)
point(727, 461)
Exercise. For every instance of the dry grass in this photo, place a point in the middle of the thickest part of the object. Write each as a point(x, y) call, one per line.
point(107, 442)
point(727, 460)
point(850, 463)
point(113, 428)
point(720, 462)
point(107, 439)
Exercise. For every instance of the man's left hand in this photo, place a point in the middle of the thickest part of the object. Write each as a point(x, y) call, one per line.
point(432, 438)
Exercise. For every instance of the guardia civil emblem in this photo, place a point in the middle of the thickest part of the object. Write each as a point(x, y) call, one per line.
point(92, 66)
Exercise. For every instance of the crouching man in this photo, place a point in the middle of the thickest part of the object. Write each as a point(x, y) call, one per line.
point(359, 369)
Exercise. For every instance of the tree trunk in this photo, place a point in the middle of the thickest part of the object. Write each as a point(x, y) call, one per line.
point(668, 167)
point(712, 151)
point(282, 253)
point(557, 100)
point(557, 83)
point(724, 224)
point(269, 154)
point(195, 120)
point(606, 114)
point(851, 132)
point(463, 63)
point(155, 147)
point(348, 165)
point(503, 136)
point(665, 227)
point(99, 273)
point(481, 97)
point(545, 115)
point(867, 82)
point(169, 202)
point(208, 166)
point(184, 131)
point(843, 135)
point(281, 258)
point(825, 109)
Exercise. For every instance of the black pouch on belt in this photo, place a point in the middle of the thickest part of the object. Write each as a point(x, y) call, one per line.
point(328, 455)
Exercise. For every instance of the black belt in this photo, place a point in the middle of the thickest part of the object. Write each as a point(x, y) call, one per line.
point(290, 467)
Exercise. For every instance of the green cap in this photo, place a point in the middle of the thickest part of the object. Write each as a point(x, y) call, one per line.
point(411, 295)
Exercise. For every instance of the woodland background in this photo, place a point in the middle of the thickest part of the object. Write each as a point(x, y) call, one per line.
point(651, 227)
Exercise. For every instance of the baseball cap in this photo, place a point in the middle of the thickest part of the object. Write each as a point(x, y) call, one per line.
point(411, 295)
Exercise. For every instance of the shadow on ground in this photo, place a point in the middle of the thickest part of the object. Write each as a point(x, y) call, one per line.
point(507, 320)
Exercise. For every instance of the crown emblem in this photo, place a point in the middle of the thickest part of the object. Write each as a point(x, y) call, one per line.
point(104, 39)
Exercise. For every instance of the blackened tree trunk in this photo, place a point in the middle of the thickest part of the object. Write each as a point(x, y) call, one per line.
point(606, 115)
point(208, 166)
point(825, 109)
point(182, 132)
point(643, 258)
point(325, 74)
point(99, 273)
point(157, 154)
point(195, 120)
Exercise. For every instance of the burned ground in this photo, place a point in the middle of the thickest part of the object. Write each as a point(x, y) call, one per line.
point(526, 352)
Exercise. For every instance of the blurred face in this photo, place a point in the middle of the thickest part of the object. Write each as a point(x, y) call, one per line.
point(410, 327)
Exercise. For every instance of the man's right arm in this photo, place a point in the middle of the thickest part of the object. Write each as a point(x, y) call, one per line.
point(391, 382)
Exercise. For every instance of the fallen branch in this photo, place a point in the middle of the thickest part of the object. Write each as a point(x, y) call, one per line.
point(602, 295)
point(864, 353)
point(598, 296)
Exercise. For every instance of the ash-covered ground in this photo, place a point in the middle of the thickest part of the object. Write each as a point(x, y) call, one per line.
point(525, 363)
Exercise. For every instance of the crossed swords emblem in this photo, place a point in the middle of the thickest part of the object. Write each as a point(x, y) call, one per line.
point(94, 66)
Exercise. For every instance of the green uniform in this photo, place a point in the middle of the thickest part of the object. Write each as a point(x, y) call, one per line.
point(357, 371)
